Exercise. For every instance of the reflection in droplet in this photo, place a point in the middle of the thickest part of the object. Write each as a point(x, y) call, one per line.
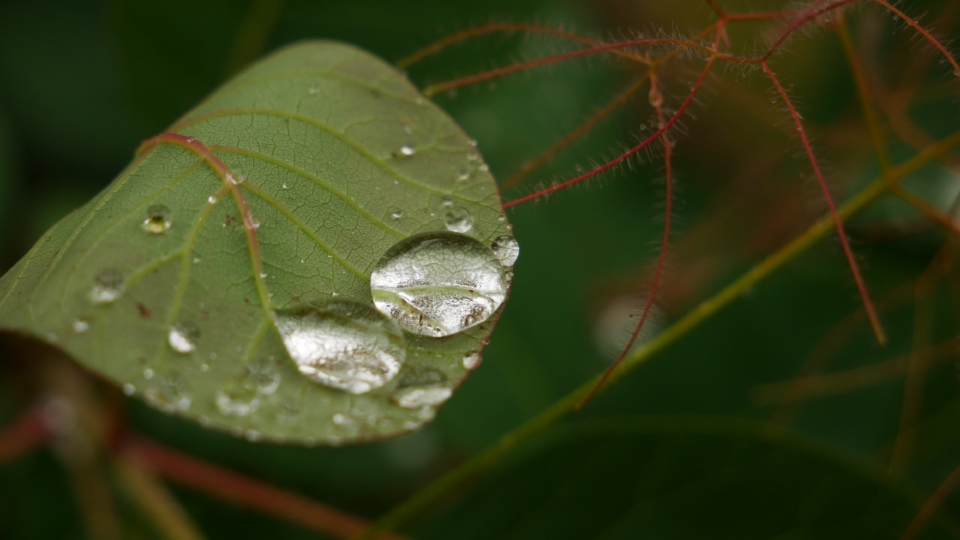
point(80, 326)
point(424, 396)
point(506, 249)
point(241, 396)
point(407, 150)
point(183, 337)
point(458, 220)
point(158, 220)
point(108, 286)
point(344, 345)
point(472, 360)
point(437, 284)
point(396, 214)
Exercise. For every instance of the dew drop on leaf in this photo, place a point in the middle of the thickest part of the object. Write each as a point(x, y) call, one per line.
point(426, 396)
point(108, 286)
point(183, 337)
point(158, 220)
point(472, 360)
point(463, 175)
point(407, 150)
point(396, 214)
point(343, 345)
point(80, 326)
point(506, 249)
point(129, 389)
point(438, 284)
point(458, 220)
point(171, 394)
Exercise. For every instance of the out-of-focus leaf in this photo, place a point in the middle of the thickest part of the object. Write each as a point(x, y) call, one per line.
point(683, 478)
point(157, 284)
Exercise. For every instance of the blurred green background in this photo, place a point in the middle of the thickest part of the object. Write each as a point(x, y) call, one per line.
point(82, 83)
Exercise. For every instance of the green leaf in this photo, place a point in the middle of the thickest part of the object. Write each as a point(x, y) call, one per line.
point(684, 478)
point(158, 284)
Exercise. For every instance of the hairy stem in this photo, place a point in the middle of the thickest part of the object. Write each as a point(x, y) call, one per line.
point(841, 233)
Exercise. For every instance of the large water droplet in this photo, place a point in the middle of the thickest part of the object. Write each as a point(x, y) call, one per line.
point(108, 286)
point(183, 337)
point(506, 249)
point(344, 345)
point(458, 220)
point(437, 284)
point(158, 220)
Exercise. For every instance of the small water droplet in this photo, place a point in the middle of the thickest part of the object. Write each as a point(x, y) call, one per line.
point(483, 167)
point(472, 142)
point(204, 367)
point(407, 150)
point(129, 389)
point(446, 201)
point(408, 129)
point(171, 394)
point(50, 337)
point(108, 286)
point(506, 249)
point(464, 175)
point(341, 419)
point(158, 220)
point(473, 155)
point(263, 275)
point(284, 186)
point(773, 99)
point(437, 284)
point(231, 179)
point(212, 199)
point(344, 345)
point(472, 360)
point(458, 220)
point(396, 214)
point(313, 90)
point(183, 337)
point(252, 435)
point(148, 374)
point(196, 260)
point(80, 326)
point(417, 397)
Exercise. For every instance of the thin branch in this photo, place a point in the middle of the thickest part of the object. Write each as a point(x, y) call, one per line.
point(626, 155)
point(156, 501)
point(923, 32)
point(932, 505)
point(247, 492)
point(661, 260)
point(26, 434)
point(841, 233)
point(464, 35)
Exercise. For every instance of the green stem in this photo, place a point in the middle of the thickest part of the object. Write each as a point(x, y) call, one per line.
point(448, 483)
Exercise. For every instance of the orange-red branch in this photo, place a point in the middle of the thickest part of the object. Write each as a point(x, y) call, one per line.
point(848, 252)
point(235, 488)
point(626, 155)
point(27, 433)
point(658, 272)
point(923, 32)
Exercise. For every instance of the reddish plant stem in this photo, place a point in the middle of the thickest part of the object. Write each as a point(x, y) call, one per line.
point(26, 434)
point(923, 32)
point(661, 261)
point(932, 505)
point(229, 486)
point(464, 35)
point(230, 182)
point(841, 232)
point(626, 155)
